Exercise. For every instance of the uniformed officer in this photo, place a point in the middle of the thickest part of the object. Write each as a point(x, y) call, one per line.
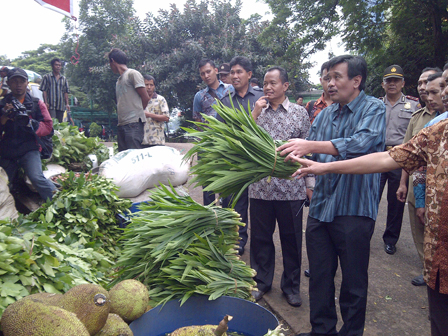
point(399, 109)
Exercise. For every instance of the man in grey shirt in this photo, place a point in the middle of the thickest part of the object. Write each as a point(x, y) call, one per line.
point(132, 99)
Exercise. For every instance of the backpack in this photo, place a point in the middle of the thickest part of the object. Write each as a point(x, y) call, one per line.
point(45, 142)
point(310, 108)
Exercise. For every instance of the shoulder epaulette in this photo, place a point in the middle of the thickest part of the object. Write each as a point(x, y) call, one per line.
point(418, 111)
point(412, 98)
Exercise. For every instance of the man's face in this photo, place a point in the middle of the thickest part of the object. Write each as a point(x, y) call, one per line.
point(57, 67)
point(150, 87)
point(341, 89)
point(421, 85)
point(3, 73)
point(300, 101)
point(208, 74)
point(273, 87)
point(225, 78)
point(445, 91)
point(240, 77)
point(18, 86)
point(323, 82)
point(392, 86)
point(434, 90)
point(113, 66)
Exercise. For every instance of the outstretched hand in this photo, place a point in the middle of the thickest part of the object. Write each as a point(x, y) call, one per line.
point(308, 167)
point(294, 148)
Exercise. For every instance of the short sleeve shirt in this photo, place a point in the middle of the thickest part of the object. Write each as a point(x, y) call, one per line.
point(55, 89)
point(129, 102)
point(429, 148)
point(288, 121)
point(249, 99)
point(205, 99)
point(154, 130)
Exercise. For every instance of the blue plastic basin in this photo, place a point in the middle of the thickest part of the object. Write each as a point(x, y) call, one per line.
point(248, 318)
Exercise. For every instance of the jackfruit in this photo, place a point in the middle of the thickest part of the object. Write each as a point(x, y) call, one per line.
point(90, 303)
point(129, 299)
point(30, 317)
point(45, 298)
point(205, 330)
point(115, 326)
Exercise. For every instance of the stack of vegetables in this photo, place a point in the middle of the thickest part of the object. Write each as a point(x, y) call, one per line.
point(235, 153)
point(178, 247)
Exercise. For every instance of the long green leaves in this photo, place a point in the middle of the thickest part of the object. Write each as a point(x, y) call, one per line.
point(178, 247)
point(235, 153)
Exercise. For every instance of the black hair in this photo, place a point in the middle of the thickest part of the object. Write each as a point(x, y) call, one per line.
point(323, 67)
point(283, 74)
point(242, 61)
point(118, 56)
point(206, 61)
point(445, 67)
point(254, 80)
point(54, 60)
point(436, 69)
point(434, 76)
point(149, 77)
point(356, 66)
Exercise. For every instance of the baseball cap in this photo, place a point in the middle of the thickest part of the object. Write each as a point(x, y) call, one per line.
point(17, 72)
point(224, 68)
point(393, 71)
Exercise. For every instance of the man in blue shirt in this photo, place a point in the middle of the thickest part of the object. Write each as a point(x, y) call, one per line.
point(343, 208)
point(205, 99)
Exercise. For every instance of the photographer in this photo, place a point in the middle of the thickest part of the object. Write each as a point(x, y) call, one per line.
point(22, 122)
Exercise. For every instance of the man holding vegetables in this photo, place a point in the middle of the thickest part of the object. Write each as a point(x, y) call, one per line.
point(278, 199)
point(344, 207)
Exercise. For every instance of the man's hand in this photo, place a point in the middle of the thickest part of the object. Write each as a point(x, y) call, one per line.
point(420, 212)
point(401, 192)
point(294, 148)
point(308, 167)
point(260, 104)
point(67, 107)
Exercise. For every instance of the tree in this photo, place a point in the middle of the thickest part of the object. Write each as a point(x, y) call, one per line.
point(4, 60)
point(38, 60)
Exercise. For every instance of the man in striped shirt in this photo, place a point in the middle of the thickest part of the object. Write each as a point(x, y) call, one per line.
point(55, 90)
point(343, 208)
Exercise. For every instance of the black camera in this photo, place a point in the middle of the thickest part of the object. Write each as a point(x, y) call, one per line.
point(18, 112)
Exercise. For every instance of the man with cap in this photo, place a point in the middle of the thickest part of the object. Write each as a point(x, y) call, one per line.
point(4, 90)
point(19, 144)
point(224, 71)
point(399, 109)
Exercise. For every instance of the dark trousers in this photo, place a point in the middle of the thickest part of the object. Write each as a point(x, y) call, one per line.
point(263, 215)
point(438, 310)
point(208, 197)
point(57, 114)
point(395, 208)
point(241, 206)
point(346, 238)
point(130, 136)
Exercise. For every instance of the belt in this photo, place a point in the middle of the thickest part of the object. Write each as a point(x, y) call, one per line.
point(389, 147)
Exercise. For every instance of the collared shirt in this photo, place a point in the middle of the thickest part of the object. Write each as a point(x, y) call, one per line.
point(356, 129)
point(154, 130)
point(55, 91)
point(318, 106)
point(206, 98)
point(429, 148)
point(129, 102)
point(287, 122)
point(249, 99)
point(398, 117)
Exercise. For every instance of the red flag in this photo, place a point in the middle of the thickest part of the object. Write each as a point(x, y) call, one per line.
point(64, 7)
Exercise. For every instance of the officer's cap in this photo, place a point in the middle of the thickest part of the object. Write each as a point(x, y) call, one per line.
point(393, 71)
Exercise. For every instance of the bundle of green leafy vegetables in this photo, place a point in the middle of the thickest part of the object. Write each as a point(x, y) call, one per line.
point(178, 248)
point(235, 153)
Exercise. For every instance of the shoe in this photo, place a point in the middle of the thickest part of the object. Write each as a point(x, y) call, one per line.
point(390, 248)
point(307, 273)
point(258, 295)
point(418, 281)
point(293, 299)
point(240, 251)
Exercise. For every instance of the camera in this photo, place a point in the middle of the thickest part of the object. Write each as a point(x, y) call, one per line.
point(18, 112)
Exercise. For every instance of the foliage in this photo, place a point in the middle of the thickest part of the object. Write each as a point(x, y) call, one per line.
point(4, 60)
point(95, 129)
point(38, 60)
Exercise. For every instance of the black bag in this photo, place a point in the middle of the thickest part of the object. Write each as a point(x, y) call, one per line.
point(46, 142)
point(310, 109)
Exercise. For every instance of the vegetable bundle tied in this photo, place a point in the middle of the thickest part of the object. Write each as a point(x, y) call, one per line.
point(178, 247)
point(235, 153)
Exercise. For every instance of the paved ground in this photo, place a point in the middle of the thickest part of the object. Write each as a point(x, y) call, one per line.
point(395, 306)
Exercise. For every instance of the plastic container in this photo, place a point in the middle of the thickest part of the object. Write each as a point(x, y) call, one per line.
point(249, 318)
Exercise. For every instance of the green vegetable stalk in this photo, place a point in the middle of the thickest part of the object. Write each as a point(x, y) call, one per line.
point(178, 248)
point(235, 153)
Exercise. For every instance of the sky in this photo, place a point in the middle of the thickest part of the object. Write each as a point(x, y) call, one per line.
point(45, 26)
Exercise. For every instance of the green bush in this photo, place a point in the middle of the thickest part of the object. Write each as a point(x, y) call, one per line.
point(95, 129)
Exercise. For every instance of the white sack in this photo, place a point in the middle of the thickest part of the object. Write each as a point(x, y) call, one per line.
point(7, 205)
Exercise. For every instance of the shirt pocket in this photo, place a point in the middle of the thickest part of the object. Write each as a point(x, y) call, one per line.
point(404, 116)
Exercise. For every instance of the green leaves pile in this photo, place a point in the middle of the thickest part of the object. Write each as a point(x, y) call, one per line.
point(235, 153)
point(178, 248)
point(71, 148)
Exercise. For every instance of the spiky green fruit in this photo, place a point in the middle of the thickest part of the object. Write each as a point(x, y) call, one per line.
point(115, 326)
point(129, 299)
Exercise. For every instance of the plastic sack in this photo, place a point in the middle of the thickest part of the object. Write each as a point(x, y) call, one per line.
point(135, 170)
point(7, 204)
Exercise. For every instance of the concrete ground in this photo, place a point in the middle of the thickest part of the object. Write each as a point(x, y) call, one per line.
point(394, 307)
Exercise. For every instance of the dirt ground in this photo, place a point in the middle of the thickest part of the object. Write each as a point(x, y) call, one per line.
point(394, 307)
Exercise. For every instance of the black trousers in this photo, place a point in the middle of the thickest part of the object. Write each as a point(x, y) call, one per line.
point(242, 207)
point(395, 208)
point(263, 215)
point(130, 136)
point(346, 238)
point(438, 310)
point(208, 197)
